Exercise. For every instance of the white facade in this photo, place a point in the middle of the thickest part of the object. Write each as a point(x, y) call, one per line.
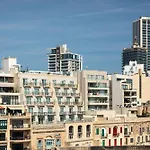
point(61, 60)
point(123, 94)
point(133, 68)
point(9, 63)
point(50, 98)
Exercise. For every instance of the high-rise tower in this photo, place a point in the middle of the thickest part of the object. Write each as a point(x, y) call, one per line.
point(141, 30)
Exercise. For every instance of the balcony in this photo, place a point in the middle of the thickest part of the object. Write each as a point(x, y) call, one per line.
point(50, 113)
point(58, 94)
point(7, 84)
point(57, 85)
point(79, 103)
point(39, 103)
point(49, 103)
point(20, 139)
point(97, 87)
point(97, 95)
point(46, 84)
point(21, 127)
point(63, 113)
point(98, 103)
point(27, 84)
point(61, 103)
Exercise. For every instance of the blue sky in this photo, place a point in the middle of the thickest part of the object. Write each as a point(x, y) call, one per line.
point(96, 29)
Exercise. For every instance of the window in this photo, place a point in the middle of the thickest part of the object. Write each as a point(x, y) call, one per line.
point(26, 90)
point(58, 142)
point(30, 109)
point(44, 82)
point(138, 139)
point(34, 81)
point(49, 109)
point(103, 142)
point(97, 131)
point(39, 143)
point(25, 81)
point(39, 100)
point(40, 109)
point(131, 129)
point(48, 99)
point(120, 129)
point(131, 140)
point(3, 124)
point(146, 138)
point(109, 130)
point(36, 91)
point(109, 142)
point(28, 100)
point(121, 142)
point(49, 143)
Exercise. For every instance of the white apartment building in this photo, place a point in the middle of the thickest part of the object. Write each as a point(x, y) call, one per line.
point(61, 60)
point(94, 87)
point(122, 92)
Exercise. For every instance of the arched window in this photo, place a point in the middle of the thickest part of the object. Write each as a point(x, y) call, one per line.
point(115, 131)
point(79, 131)
point(88, 131)
point(70, 132)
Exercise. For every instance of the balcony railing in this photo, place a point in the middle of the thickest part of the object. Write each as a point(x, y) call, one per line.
point(20, 138)
point(20, 126)
point(88, 134)
point(70, 135)
point(79, 134)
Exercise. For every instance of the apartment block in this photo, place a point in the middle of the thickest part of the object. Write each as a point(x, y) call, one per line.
point(94, 87)
point(142, 83)
point(123, 93)
point(62, 60)
point(141, 30)
point(15, 130)
point(49, 97)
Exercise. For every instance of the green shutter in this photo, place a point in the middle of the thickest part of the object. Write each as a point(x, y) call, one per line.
point(103, 132)
point(97, 131)
point(103, 143)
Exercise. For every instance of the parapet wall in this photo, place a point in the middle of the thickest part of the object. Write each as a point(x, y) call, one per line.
point(108, 148)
